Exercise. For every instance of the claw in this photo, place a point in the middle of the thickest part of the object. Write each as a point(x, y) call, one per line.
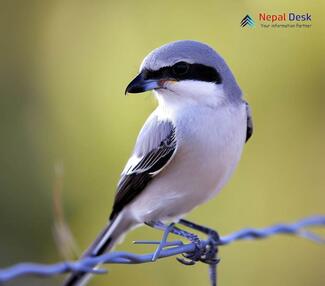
point(188, 255)
point(192, 257)
point(185, 262)
point(212, 261)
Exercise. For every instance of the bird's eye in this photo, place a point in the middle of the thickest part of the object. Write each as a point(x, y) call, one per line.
point(180, 68)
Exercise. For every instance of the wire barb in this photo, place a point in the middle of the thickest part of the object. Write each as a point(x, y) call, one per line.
point(169, 249)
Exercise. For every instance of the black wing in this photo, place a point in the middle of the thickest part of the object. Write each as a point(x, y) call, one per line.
point(249, 131)
point(154, 149)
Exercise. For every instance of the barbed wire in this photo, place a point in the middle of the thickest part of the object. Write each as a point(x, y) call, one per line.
point(172, 248)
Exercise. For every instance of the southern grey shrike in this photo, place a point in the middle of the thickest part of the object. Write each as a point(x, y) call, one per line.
point(188, 147)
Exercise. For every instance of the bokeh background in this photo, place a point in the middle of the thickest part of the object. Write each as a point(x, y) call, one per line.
point(64, 67)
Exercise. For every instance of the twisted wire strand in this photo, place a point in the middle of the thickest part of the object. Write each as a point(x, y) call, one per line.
point(174, 248)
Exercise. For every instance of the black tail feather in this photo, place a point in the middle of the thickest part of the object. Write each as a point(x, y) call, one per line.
point(105, 241)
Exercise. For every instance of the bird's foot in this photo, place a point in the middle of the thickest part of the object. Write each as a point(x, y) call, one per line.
point(211, 250)
point(195, 256)
point(192, 257)
point(209, 253)
point(206, 254)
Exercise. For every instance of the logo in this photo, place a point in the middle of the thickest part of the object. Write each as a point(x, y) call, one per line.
point(284, 17)
point(278, 21)
point(247, 20)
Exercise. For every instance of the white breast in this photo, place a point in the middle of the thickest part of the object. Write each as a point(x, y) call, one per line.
point(210, 142)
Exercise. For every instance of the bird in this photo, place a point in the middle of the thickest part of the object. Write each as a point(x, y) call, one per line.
point(187, 149)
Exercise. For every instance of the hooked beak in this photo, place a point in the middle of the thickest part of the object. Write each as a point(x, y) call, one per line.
point(139, 84)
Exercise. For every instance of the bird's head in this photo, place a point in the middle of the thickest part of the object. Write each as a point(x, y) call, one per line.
point(186, 70)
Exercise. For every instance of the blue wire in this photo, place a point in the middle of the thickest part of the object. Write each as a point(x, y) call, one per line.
point(88, 264)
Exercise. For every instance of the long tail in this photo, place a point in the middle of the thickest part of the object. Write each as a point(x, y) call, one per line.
point(105, 241)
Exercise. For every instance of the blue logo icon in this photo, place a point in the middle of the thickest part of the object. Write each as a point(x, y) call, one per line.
point(247, 21)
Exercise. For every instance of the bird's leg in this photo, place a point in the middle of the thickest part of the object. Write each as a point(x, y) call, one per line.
point(206, 230)
point(167, 229)
point(175, 230)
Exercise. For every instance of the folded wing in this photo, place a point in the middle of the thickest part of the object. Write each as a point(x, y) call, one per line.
point(249, 131)
point(154, 149)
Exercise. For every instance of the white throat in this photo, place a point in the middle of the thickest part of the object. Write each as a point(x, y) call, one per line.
point(190, 92)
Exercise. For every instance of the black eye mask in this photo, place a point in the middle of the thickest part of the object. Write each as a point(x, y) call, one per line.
point(184, 71)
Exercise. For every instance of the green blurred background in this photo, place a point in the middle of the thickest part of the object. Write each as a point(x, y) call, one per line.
point(64, 67)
